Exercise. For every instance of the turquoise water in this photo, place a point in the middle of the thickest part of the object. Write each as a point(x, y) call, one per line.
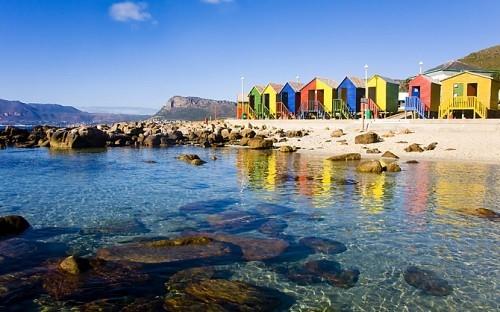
point(82, 201)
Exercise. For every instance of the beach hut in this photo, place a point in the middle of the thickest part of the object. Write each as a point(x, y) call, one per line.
point(424, 95)
point(349, 93)
point(316, 98)
point(255, 101)
point(382, 94)
point(290, 98)
point(469, 95)
point(270, 96)
point(242, 111)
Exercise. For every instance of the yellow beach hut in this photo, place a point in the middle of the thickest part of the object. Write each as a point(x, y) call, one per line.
point(469, 95)
point(270, 98)
point(383, 94)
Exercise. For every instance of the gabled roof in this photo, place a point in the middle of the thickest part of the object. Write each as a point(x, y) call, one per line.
point(386, 79)
point(468, 72)
point(356, 81)
point(296, 86)
point(330, 82)
point(276, 86)
point(454, 66)
point(429, 79)
point(258, 88)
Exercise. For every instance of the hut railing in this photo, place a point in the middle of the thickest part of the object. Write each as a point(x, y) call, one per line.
point(463, 103)
point(312, 108)
point(282, 111)
point(369, 104)
point(414, 103)
point(250, 112)
point(341, 109)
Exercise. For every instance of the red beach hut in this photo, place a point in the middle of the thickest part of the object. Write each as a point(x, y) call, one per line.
point(424, 96)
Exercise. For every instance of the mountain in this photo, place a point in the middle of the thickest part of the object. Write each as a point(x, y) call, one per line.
point(488, 58)
point(195, 108)
point(16, 112)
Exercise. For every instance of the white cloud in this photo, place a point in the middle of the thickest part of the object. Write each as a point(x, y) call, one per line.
point(216, 1)
point(130, 11)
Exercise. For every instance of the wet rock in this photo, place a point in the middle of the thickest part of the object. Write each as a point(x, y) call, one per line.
point(260, 143)
point(318, 271)
point(166, 251)
point(323, 245)
point(223, 295)
point(83, 137)
point(486, 213)
point(74, 265)
point(370, 166)
point(412, 148)
point(116, 227)
point(389, 154)
point(345, 157)
point(248, 133)
point(270, 209)
point(427, 281)
point(253, 249)
point(337, 133)
point(235, 221)
point(412, 161)
point(393, 167)
point(13, 225)
point(234, 136)
point(208, 206)
point(287, 149)
point(191, 159)
point(431, 146)
point(21, 285)
point(152, 141)
point(367, 138)
point(373, 151)
point(273, 227)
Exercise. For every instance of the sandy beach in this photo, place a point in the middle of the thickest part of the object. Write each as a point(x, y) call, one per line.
point(458, 140)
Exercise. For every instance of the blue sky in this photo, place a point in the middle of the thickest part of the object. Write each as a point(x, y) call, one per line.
point(116, 54)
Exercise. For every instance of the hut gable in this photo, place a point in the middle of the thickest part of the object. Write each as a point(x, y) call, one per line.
point(329, 82)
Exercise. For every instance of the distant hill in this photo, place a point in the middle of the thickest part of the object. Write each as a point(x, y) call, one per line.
point(195, 108)
point(487, 58)
point(16, 112)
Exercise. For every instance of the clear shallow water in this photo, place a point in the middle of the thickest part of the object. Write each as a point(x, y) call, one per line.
point(387, 221)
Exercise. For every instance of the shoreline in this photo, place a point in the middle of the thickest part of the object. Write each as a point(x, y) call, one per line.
point(475, 141)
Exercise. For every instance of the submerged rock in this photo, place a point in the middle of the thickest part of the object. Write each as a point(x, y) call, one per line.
point(235, 221)
point(345, 157)
point(223, 295)
point(269, 209)
point(192, 159)
point(367, 138)
point(323, 245)
point(318, 271)
point(427, 281)
point(486, 213)
point(273, 227)
point(74, 265)
point(167, 251)
point(13, 225)
point(208, 206)
point(370, 166)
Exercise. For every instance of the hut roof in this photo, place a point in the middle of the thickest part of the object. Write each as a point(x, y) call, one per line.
point(330, 82)
point(457, 66)
point(429, 79)
point(387, 79)
point(469, 72)
point(358, 82)
point(276, 86)
point(258, 87)
point(296, 86)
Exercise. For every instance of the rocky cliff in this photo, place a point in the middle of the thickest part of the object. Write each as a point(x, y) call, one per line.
point(195, 108)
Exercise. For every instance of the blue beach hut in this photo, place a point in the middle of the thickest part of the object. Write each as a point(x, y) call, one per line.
point(290, 96)
point(350, 91)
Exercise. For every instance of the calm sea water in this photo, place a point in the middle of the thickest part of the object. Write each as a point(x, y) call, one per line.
point(387, 221)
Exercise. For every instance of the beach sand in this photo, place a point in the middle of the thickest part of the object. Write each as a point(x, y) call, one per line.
point(462, 140)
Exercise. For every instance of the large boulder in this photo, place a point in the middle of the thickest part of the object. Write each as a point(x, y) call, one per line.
point(345, 157)
point(370, 166)
point(427, 281)
point(337, 133)
point(13, 225)
point(152, 140)
point(323, 245)
point(247, 133)
point(83, 137)
point(367, 138)
point(414, 148)
point(260, 143)
point(192, 159)
point(389, 154)
point(194, 247)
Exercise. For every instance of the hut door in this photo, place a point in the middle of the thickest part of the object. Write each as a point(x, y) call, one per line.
point(266, 100)
point(415, 92)
point(284, 98)
point(458, 89)
point(311, 96)
point(372, 94)
point(343, 94)
point(321, 96)
point(251, 101)
point(472, 89)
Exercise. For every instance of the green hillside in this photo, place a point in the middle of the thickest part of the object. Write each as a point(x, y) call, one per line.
point(487, 58)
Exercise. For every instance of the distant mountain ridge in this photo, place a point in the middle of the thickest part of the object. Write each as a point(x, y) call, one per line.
point(17, 112)
point(488, 58)
point(195, 108)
